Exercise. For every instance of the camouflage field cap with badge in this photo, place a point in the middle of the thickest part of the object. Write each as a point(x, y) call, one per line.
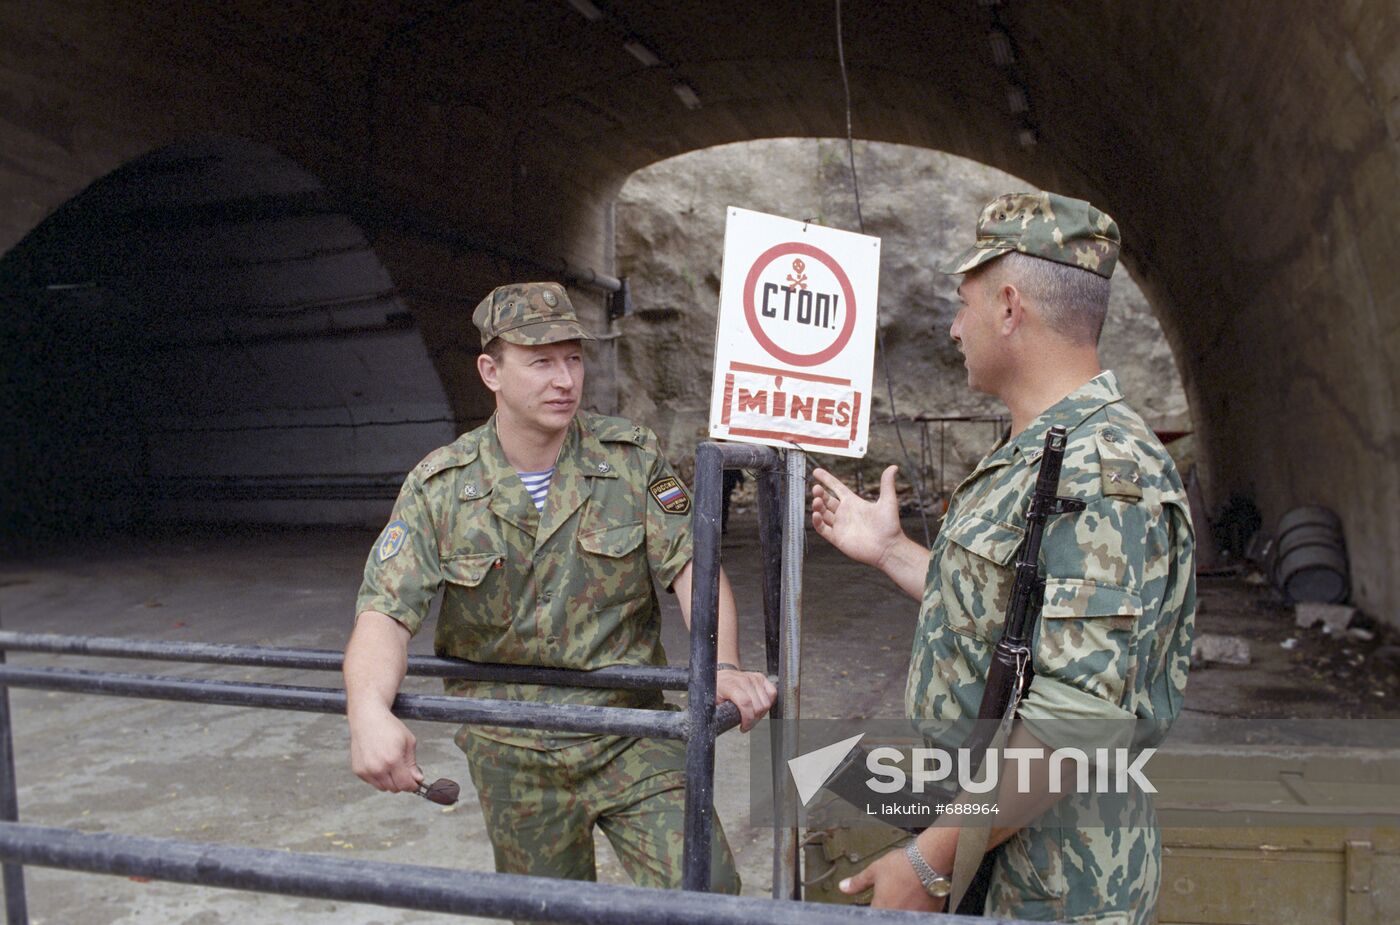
point(528, 314)
point(1045, 225)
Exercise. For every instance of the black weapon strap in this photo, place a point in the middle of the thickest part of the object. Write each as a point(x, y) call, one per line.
point(972, 864)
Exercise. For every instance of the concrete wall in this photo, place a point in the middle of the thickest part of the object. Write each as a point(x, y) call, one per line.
point(1276, 276)
point(1249, 152)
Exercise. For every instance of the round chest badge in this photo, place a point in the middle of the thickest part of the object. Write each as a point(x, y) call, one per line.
point(799, 304)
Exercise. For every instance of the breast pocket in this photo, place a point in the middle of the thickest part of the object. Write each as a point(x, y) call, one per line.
point(976, 574)
point(1086, 634)
point(476, 614)
point(614, 564)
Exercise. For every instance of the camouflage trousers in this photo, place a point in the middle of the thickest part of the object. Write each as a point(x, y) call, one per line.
point(541, 806)
point(1104, 874)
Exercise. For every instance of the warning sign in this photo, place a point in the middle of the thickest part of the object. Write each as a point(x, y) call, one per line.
point(795, 342)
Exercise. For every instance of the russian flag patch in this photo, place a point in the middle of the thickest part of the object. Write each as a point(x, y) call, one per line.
point(670, 494)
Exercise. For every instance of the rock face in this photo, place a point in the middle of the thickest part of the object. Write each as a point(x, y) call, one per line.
point(923, 205)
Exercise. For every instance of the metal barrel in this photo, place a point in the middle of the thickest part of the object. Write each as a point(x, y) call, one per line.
point(1308, 514)
point(1309, 556)
point(1307, 535)
point(1315, 574)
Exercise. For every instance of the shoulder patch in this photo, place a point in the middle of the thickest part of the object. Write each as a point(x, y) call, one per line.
point(391, 540)
point(670, 494)
point(1118, 464)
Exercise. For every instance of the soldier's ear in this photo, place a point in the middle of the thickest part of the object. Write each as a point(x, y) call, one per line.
point(488, 370)
point(1010, 307)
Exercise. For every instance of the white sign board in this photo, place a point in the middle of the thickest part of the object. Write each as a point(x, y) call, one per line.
point(795, 342)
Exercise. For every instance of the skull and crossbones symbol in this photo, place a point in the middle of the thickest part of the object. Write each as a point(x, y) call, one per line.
point(797, 279)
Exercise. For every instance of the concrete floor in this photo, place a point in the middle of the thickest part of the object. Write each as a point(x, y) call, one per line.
point(281, 780)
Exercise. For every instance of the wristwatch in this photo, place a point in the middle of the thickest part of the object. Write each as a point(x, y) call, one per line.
point(937, 885)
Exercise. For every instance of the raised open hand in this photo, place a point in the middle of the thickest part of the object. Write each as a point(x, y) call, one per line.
point(863, 530)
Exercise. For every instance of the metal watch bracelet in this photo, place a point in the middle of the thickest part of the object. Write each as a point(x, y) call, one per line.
point(937, 885)
point(727, 666)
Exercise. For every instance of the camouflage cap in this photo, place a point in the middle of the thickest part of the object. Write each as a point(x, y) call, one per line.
point(528, 313)
point(1046, 225)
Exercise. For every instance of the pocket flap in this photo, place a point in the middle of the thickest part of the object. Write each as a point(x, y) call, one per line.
point(471, 569)
point(613, 542)
point(1078, 597)
point(990, 539)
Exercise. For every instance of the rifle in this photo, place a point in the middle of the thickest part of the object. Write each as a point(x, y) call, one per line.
point(1012, 665)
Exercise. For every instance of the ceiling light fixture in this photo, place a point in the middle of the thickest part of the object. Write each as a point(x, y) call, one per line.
point(1016, 99)
point(588, 10)
point(642, 53)
point(1001, 47)
point(687, 94)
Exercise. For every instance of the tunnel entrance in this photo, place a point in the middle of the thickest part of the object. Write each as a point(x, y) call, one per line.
point(203, 335)
point(922, 203)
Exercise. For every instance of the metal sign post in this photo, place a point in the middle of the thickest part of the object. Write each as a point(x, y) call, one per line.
point(794, 364)
point(787, 879)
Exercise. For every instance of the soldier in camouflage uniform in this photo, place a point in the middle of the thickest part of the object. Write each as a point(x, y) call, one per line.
point(1112, 644)
point(563, 581)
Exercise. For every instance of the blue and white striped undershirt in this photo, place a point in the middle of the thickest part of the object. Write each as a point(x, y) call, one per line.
point(537, 484)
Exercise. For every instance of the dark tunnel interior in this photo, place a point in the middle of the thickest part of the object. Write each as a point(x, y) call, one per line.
point(186, 331)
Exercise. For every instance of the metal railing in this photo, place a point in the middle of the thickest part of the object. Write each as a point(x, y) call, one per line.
point(426, 889)
point(500, 895)
point(433, 708)
point(711, 459)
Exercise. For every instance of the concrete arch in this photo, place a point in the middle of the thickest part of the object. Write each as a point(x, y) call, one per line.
point(1250, 158)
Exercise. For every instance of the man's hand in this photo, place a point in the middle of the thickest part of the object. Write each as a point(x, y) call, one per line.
point(863, 530)
point(750, 691)
point(382, 752)
point(869, 531)
point(896, 884)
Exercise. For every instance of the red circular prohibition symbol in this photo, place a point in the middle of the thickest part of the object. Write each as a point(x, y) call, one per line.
point(751, 315)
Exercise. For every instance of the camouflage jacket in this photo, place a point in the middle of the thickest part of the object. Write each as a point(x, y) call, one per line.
point(569, 587)
point(1113, 641)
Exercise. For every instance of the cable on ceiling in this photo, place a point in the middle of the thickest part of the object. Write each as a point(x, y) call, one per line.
point(915, 475)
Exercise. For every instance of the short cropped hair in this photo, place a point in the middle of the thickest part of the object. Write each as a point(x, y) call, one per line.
point(1072, 301)
point(495, 348)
